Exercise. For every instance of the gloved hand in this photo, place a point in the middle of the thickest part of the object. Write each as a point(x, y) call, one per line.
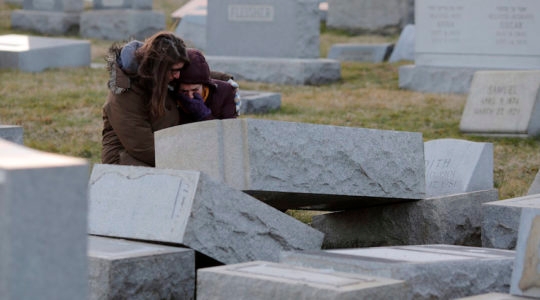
point(195, 106)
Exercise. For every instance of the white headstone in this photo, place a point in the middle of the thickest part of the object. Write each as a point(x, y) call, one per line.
point(526, 272)
point(457, 166)
point(503, 103)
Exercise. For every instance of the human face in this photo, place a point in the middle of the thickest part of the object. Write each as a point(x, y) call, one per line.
point(174, 71)
point(190, 89)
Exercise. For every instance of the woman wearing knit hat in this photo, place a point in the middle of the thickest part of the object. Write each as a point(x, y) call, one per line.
point(139, 101)
point(200, 97)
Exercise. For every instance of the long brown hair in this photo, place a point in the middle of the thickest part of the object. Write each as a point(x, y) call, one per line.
point(156, 57)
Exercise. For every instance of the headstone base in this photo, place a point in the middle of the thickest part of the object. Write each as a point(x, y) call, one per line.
point(374, 53)
point(293, 71)
point(12, 133)
point(45, 22)
point(115, 24)
point(444, 80)
point(255, 102)
point(35, 54)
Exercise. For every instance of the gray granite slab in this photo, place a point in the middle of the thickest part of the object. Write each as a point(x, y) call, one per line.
point(456, 166)
point(454, 219)
point(374, 53)
point(526, 272)
point(123, 4)
point(121, 24)
point(503, 103)
point(12, 133)
point(192, 29)
point(257, 102)
point(300, 165)
point(433, 271)
point(190, 208)
point(535, 185)
point(290, 71)
point(494, 296)
point(35, 54)
point(434, 79)
point(73, 6)
point(45, 22)
point(122, 269)
point(263, 28)
point(500, 222)
point(265, 281)
point(43, 237)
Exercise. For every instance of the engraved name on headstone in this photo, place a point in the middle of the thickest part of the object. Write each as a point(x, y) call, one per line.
point(252, 13)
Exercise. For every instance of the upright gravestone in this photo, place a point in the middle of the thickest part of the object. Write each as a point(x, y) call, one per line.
point(36, 53)
point(190, 208)
point(121, 20)
point(192, 23)
point(55, 17)
point(300, 165)
point(43, 227)
point(457, 166)
point(404, 48)
point(372, 16)
point(505, 103)
point(526, 272)
point(268, 40)
point(455, 39)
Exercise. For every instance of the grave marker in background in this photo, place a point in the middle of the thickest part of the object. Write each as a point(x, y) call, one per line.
point(535, 185)
point(55, 17)
point(503, 103)
point(404, 49)
point(456, 39)
point(43, 227)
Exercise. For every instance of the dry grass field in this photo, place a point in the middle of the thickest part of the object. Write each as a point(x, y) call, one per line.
point(60, 110)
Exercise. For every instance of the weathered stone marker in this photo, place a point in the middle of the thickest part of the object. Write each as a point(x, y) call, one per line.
point(43, 237)
point(121, 269)
point(267, 281)
point(292, 165)
point(12, 133)
point(190, 208)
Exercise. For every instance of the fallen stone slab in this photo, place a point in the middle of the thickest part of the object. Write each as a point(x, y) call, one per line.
point(374, 53)
point(12, 133)
point(432, 271)
point(35, 54)
point(436, 79)
point(122, 269)
point(300, 165)
point(526, 274)
point(43, 226)
point(290, 71)
point(191, 209)
point(265, 280)
point(257, 102)
point(494, 296)
point(454, 219)
point(500, 220)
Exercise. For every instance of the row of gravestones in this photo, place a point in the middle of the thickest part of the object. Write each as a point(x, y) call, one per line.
point(217, 230)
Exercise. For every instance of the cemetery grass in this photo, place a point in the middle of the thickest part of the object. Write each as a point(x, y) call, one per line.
point(60, 110)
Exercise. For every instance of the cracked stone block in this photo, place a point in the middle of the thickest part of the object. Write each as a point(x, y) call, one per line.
point(500, 220)
point(194, 210)
point(267, 281)
point(300, 165)
point(43, 225)
point(122, 269)
point(457, 166)
point(432, 271)
point(454, 219)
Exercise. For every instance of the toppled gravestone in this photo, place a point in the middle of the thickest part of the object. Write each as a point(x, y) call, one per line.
point(433, 271)
point(454, 219)
point(300, 165)
point(500, 220)
point(122, 269)
point(190, 208)
point(43, 238)
point(267, 281)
